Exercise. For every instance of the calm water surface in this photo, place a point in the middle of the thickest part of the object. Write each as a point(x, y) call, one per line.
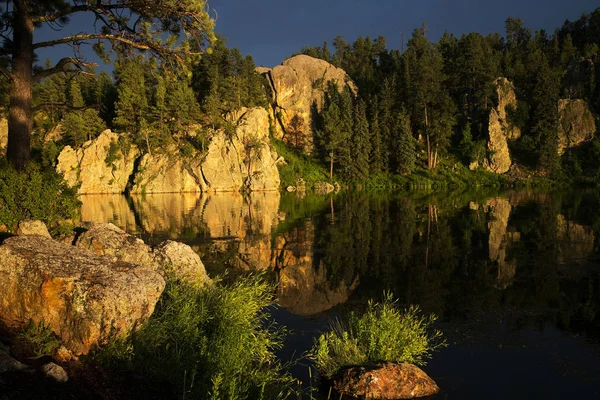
point(514, 277)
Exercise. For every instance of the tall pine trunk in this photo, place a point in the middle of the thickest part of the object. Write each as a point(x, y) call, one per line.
point(20, 112)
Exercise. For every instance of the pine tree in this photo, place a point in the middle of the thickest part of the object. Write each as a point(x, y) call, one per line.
point(360, 144)
point(376, 159)
point(405, 145)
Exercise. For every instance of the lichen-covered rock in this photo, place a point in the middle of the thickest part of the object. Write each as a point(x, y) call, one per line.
point(85, 299)
point(3, 136)
point(168, 173)
point(244, 160)
point(387, 381)
point(298, 84)
point(500, 129)
point(32, 227)
point(185, 263)
point(88, 165)
point(576, 124)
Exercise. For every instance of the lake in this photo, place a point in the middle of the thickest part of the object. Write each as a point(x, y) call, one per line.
point(514, 277)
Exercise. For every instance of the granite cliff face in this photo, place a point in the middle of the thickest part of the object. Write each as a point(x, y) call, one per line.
point(243, 160)
point(88, 168)
point(297, 85)
point(576, 124)
point(500, 129)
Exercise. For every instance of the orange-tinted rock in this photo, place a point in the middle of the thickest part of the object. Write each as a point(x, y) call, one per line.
point(83, 298)
point(387, 381)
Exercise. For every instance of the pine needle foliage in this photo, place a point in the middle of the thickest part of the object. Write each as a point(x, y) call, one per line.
point(383, 333)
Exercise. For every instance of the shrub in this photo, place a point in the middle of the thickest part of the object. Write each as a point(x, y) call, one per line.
point(35, 193)
point(209, 342)
point(382, 334)
point(37, 340)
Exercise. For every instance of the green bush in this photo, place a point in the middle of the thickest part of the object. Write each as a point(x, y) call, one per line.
point(35, 193)
point(37, 340)
point(382, 334)
point(210, 342)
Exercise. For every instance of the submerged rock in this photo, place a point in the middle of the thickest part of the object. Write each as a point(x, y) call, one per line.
point(386, 381)
point(85, 299)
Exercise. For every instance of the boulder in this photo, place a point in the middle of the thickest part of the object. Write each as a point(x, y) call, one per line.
point(244, 160)
point(324, 187)
point(170, 257)
point(8, 364)
point(576, 124)
point(296, 86)
point(168, 173)
point(184, 261)
point(85, 299)
point(500, 130)
point(386, 381)
point(31, 227)
point(55, 372)
point(88, 165)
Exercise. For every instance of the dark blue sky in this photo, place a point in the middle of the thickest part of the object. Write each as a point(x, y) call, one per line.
point(270, 31)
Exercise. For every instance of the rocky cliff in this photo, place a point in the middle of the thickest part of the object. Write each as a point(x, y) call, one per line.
point(500, 129)
point(3, 136)
point(576, 123)
point(297, 85)
point(243, 160)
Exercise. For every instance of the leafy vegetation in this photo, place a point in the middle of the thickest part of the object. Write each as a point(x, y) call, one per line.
point(37, 340)
point(35, 193)
point(382, 334)
point(210, 342)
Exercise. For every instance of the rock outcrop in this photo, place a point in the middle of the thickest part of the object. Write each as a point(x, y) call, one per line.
point(500, 129)
point(243, 160)
point(29, 227)
point(168, 173)
point(576, 124)
point(297, 85)
point(88, 165)
point(83, 298)
point(387, 381)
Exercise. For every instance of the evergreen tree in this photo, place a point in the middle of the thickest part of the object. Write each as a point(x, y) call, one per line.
point(360, 144)
point(405, 153)
point(376, 158)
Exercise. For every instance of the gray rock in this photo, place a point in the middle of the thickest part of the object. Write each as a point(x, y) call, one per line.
point(32, 227)
point(56, 372)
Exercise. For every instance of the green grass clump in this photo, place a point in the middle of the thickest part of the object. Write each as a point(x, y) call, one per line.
point(35, 193)
point(298, 166)
point(382, 334)
point(210, 342)
point(37, 340)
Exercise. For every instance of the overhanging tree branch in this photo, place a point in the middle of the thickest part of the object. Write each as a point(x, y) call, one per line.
point(9, 75)
point(61, 66)
point(92, 36)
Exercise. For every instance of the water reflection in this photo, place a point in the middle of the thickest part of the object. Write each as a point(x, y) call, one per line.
point(452, 253)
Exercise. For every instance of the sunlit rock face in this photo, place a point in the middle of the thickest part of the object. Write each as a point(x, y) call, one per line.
point(304, 288)
point(576, 124)
point(88, 166)
point(500, 239)
point(500, 129)
point(3, 136)
point(244, 160)
point(85, 299)
point(168, 173)
point(298, 84)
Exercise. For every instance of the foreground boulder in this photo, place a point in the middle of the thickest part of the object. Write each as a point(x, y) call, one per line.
point(105, 239)
point(85, 299)
point(387, 381)
point(32, 227)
